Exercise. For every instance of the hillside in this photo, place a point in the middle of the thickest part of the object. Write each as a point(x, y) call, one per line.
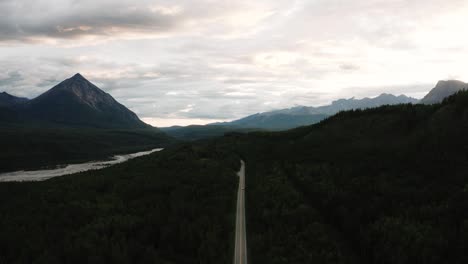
point(79, 103)
point(442, 90)
point(197, 132)
point(75, 121)
point(284, 119)
point(8, 100)
point(384, 185)
point(277, 120)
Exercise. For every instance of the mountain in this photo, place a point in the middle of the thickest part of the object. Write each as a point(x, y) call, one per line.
point(304, 115)
point(442, 90)
point(8, 105)
point(284, 119)
point(75, 121)
point(78, 102)
point(349, 104)
point(8, 100)
point(278, 120)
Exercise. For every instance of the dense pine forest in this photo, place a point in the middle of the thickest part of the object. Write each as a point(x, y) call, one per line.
point(37, 146)
point(385, 185)
point(172, 207)
point(233, 132)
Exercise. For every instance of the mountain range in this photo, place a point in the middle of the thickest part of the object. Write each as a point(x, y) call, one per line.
point(73, 102)
point(76, 102)
point(305, 115)
point(289, 118)
point(285, 119)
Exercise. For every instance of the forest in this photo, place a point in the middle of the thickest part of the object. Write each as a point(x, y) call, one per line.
point(176, 206)
point(385, 185)
point(36, 146)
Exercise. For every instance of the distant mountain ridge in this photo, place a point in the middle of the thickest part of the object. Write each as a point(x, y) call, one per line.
point(77, 102)
point(285, 119)
point(349, 104)
point(7, 100)
point(442, 90)
point(306, 115)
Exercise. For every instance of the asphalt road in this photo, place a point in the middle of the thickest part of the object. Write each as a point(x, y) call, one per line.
point(240, 247)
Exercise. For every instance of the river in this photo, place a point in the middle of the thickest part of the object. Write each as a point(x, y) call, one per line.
point(41, 175)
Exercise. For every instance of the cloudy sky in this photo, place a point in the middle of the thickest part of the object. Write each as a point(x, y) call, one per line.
point(198, 61)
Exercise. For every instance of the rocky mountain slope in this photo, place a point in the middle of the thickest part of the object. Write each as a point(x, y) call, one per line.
point(77, 102)
point(442, 90)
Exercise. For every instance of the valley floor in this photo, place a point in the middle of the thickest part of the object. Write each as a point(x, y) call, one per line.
point(41, 175)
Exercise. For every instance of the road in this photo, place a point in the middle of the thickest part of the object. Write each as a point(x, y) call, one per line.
point(240, 247)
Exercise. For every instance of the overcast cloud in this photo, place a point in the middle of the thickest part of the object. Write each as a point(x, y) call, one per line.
point(180, 62)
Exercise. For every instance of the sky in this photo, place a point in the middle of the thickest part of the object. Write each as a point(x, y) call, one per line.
point(180, 62)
